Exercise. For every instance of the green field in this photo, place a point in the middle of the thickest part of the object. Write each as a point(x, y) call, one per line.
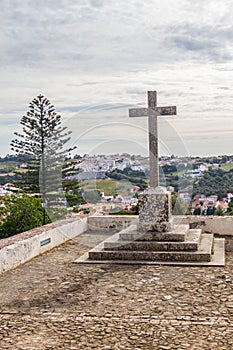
point(227, 167)
point(108, 186)
point(8, 166)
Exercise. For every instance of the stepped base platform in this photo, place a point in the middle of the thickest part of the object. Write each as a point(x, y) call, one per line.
point(181, 246)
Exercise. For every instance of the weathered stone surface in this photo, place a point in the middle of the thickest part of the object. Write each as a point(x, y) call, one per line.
point(177, 234)
point(155, 210)
point(118, 222)
point(171, 248)
point(153, 112)
point(218, 225)
point(169, 256)
point(180, 238)
point(151, 246)
point(146, 253)
point(51, 303)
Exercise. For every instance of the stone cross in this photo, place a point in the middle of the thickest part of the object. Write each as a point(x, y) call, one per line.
point(153, 112)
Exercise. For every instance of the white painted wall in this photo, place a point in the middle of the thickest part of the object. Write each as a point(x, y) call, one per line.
point(20, 250)
point(219, 225)
point(23, 250)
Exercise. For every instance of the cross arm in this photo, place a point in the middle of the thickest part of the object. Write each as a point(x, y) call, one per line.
point(138, 112)
point(170, 110)
point(144, 112)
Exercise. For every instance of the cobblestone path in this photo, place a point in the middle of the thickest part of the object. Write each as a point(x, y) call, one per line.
point(52, 303)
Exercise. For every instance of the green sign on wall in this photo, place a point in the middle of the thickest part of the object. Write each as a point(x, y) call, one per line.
point(45, 241)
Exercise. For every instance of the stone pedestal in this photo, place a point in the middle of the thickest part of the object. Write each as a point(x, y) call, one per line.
point(155, 241)
point(155, 210)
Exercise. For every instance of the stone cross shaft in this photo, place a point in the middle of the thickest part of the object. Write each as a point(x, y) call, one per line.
point(153, 112)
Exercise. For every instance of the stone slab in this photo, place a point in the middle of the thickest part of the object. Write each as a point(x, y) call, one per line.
point(217, 259)
point(177, 234)
point(149, 256)
point(99, 254)
point(191, 243)
point(203, 254)
point(151, 246)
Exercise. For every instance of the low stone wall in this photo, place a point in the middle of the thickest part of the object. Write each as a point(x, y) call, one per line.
point(20, 248)
point(118, 222)
point(220, 226)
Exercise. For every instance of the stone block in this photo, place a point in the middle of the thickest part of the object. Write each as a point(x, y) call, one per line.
point(155, 210)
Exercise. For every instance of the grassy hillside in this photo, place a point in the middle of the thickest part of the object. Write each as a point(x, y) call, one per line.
point(108, 186)
point(227, 167)
point(8, 166)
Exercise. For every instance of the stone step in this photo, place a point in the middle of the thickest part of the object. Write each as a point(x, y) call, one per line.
point(203, 254)
point(191, 243)
point(193, 235)
point(177, 234)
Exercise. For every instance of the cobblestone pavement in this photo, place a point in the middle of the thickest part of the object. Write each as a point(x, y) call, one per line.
point(52, 303)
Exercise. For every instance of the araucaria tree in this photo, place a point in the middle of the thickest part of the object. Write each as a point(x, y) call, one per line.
point(42, 139)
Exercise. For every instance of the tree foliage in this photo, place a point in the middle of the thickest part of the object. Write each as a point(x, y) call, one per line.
point(42, 139)
point(71, 185)
point(219, 211)
point(19, 214)
point(230, 208)
point(135, 177)
point(197, 211)
point(215, 182)
point(179, 207)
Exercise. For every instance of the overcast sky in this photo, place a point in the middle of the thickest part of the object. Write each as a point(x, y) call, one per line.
point(94, 59)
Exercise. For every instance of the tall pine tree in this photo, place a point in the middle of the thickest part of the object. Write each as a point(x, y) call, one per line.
point(42, 140)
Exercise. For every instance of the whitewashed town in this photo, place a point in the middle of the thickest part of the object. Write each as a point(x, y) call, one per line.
point(118, 179)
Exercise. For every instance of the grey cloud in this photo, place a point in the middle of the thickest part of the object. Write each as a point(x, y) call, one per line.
point(94, 107)
point(75, 33)
point(192, 44)
point(213, 42)
point(223, 88)
point(96, 3)
point(87, 83)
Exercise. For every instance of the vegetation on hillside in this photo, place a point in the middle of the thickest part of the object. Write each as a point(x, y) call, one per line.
point(19, 214)
point(215, 182)
point(42, 140)
point(135, 177)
